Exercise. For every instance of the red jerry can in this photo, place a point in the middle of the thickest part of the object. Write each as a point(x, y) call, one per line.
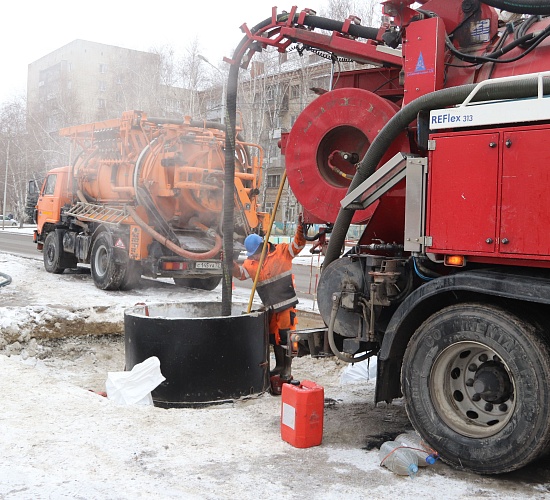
point(302, 414)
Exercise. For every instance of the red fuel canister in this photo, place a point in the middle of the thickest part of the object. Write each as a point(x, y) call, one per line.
point(302, 414)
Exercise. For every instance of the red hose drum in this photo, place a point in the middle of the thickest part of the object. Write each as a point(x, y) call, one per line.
point(340, 123)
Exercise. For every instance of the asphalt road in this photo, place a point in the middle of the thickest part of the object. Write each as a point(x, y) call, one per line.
point(305, 276)
point(18, 244)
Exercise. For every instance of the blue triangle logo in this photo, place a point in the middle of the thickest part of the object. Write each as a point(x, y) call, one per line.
point(420, 66)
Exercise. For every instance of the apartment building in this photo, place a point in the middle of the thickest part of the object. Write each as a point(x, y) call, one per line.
point(86, 81)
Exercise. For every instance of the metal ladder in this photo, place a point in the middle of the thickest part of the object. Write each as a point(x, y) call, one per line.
point(91, 212)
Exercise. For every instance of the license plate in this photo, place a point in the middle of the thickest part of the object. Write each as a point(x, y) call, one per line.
point(208, 265)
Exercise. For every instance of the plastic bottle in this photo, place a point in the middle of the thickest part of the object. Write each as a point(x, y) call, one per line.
point(398, 459)
point(413, 440)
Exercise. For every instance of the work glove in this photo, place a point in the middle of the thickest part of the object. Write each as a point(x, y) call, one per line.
point(236, 271)
point(300, 225)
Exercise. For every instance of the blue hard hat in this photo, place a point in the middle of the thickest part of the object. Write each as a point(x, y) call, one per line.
point(252, 242)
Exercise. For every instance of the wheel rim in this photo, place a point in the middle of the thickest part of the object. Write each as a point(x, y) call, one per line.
point(50, 254)
point(472, 389)
point(101, 260)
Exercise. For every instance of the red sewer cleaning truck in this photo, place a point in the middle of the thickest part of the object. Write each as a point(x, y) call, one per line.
point(439, 142)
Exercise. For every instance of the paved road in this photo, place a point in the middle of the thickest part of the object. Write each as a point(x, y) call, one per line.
point(18, 244)
point(305, 276)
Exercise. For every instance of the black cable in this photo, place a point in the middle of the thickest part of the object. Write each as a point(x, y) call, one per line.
point(536, 40)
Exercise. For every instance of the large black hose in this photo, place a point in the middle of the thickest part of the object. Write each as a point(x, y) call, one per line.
point(536, 7)
point(401, 120)
point(355, 30)
point(228, 222)
point(231, 119)
point(5, 279)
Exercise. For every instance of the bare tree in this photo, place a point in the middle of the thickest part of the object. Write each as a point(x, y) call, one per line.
point(23, 156)
point(366, 10)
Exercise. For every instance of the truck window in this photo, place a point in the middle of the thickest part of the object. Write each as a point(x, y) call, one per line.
point(49, 187)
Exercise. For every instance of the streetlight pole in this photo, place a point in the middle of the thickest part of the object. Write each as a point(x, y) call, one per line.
point(5, 187)
point(224, 84)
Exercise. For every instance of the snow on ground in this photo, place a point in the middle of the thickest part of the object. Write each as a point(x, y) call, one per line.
point(60, 336)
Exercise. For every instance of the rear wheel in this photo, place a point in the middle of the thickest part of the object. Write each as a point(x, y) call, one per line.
point(200, 283)
point(52, 254)
point(476, 382)
point(131, 276)
point(107, 273)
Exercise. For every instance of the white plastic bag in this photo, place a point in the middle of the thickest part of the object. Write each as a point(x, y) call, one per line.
point(134, 387)
point(359, 372)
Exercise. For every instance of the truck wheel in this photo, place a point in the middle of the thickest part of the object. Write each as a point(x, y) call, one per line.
point(52, 254)
point(131, 276)
point(200, 283)
point(106, 272)
point(476, 382)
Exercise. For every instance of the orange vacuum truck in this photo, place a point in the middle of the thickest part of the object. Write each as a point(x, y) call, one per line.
point(144, 197)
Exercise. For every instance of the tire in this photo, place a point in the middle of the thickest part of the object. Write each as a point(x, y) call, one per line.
point(132, 275)
point(107, 273)
point(449, 364)
point(200, 283)
point(52, 254)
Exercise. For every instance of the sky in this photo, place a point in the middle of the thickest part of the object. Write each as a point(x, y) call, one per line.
point(34, 28)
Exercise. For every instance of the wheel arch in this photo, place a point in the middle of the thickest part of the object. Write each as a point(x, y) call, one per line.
point(120, 253)
point(513, 290)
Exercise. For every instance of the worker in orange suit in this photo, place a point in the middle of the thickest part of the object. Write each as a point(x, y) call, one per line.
point(276, 290)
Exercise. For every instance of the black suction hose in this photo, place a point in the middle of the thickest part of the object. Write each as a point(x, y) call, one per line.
point(231, 119)
point(355, 30)
point(228, 222)
point(536, 7)
point(401, 120)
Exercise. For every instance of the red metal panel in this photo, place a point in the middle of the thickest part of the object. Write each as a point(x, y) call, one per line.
point(462, 193)
point(424, 53)
point(525, 212)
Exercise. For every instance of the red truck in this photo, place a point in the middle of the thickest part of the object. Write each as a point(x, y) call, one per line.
point(440, 145)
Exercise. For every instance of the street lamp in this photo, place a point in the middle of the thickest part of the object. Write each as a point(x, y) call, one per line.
point(5, 187)
point(202, 58)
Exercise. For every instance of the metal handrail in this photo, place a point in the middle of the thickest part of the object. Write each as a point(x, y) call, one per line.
point(480, 85)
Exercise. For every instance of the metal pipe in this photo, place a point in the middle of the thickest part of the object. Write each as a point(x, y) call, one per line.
point(266, 241)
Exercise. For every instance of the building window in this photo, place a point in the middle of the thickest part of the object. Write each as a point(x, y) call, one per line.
point(69, 66)
point(102, 86)
point(103, 68)
point(101, 103)
point(269, 207)
point(273, 181)
point(295, 91)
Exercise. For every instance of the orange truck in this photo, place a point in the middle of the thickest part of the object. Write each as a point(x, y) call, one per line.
point(143, 197)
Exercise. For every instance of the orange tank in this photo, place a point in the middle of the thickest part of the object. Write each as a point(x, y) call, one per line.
point(176, 164)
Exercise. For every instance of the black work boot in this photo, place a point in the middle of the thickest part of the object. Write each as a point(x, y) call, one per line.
point(286, 372)
point(279, 352)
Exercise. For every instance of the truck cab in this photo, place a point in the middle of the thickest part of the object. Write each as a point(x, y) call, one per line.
point(53, 195)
